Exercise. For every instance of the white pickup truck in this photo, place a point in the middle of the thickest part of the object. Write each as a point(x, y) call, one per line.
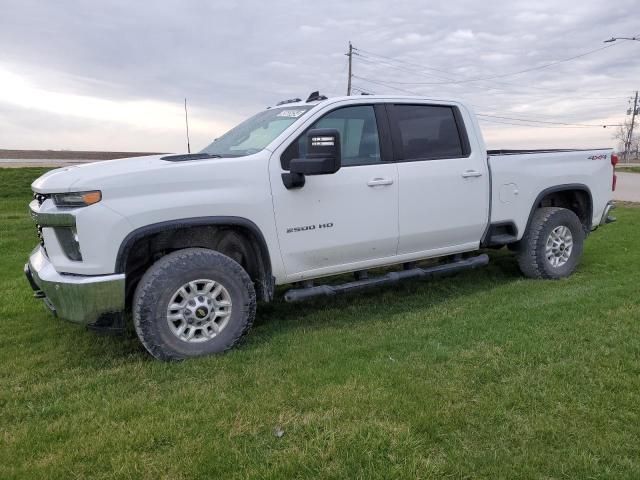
point(302, 191)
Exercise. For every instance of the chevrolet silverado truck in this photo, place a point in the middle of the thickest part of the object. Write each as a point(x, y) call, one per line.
point(302, 191)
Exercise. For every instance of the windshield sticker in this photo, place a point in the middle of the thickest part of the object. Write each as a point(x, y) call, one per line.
point(291, 113)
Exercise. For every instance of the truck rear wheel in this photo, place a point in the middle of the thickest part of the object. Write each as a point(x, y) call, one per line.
point(552, 245)
point(193, 302)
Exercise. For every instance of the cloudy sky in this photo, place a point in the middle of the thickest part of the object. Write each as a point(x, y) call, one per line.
point(112, 75)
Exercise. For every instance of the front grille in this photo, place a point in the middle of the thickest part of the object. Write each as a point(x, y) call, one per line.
point(40, 236)
point(40, 198)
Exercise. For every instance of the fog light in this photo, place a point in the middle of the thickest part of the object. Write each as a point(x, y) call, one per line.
point(68, 238)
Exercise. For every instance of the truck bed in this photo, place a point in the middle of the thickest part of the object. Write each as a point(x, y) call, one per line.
point(519, 177)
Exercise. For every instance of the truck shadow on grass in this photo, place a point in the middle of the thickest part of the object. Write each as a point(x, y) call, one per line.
point(278, 318)
point(406, 297)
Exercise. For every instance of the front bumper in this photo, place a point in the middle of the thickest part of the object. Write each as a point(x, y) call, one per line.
point(81, 299)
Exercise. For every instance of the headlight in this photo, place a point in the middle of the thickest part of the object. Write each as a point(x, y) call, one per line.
point(77, 199)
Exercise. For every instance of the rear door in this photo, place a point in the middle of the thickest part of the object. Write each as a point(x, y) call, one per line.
point(444, 184)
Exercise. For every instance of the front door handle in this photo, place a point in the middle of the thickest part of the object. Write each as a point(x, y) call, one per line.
point(471, 173)
point(374, 182)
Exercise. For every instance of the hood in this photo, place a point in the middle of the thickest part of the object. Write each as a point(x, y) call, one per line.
point(149, 175)
point(91, 176)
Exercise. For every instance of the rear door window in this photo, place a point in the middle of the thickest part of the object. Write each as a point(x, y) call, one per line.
point(427, 132)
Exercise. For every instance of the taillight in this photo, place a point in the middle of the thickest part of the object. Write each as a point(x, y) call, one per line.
point(613, 183)
point(614, 159)
point(614, 162)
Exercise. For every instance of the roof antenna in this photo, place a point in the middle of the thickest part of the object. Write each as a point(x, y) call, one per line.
point(315, 96)
point(186, 121)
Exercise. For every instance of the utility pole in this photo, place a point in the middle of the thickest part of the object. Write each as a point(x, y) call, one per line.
point(627, 146)
point(186, 121)
point(350, 55)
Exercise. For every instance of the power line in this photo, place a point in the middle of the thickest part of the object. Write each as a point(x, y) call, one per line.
point(529, 114)
point(377, 82)
point(492, 116)
point(370, 60)
point(401, 61)
point(362, 90)
point(389, 84)
point(451, 81)
point(546, 121)
point(539, 67)
point(422, 67)
point(524, 124)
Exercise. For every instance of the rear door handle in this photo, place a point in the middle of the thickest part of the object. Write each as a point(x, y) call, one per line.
point(471, 173)
point(374, 182)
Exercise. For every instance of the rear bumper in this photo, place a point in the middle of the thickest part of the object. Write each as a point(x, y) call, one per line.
point(606, 218)
point(78, 298)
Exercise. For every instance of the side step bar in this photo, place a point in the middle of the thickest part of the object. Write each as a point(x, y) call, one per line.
point(299, 294)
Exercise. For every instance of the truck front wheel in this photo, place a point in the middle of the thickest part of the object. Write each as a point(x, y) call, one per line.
point(193, 302)
point(552, 245)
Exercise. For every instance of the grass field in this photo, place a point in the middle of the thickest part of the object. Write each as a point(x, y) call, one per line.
point(482, 375)
point(66, 154)
point(628, 169)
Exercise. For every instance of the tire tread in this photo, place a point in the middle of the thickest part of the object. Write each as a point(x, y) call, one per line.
point(530, 261)
point(163, 268)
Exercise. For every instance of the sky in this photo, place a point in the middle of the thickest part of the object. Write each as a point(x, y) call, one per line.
point(113, 75)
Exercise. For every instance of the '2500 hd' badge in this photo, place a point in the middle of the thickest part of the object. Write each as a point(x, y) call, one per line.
point(309, 227)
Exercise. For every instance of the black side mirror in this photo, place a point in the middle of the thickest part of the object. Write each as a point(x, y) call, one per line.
point(323, 157)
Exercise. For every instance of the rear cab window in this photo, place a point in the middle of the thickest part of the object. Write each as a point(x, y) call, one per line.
point(428, 132)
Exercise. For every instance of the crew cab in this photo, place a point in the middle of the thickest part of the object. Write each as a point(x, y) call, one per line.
point(301, 191)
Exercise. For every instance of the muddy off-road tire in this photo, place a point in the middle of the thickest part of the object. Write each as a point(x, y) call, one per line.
point(193, 302)
point(552, 245)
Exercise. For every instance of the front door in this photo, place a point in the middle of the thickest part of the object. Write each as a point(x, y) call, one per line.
point(340, 221)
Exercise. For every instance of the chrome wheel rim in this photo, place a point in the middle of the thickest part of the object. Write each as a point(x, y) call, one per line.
point(199, 310)
point(559, 246)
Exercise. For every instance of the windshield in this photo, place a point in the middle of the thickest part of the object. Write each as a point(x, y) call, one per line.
point(255, 133)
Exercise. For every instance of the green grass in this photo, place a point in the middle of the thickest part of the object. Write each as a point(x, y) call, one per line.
point(622, 168)
point(482, 375)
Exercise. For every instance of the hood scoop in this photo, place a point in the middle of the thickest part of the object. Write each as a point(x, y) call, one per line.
point(188, 156)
